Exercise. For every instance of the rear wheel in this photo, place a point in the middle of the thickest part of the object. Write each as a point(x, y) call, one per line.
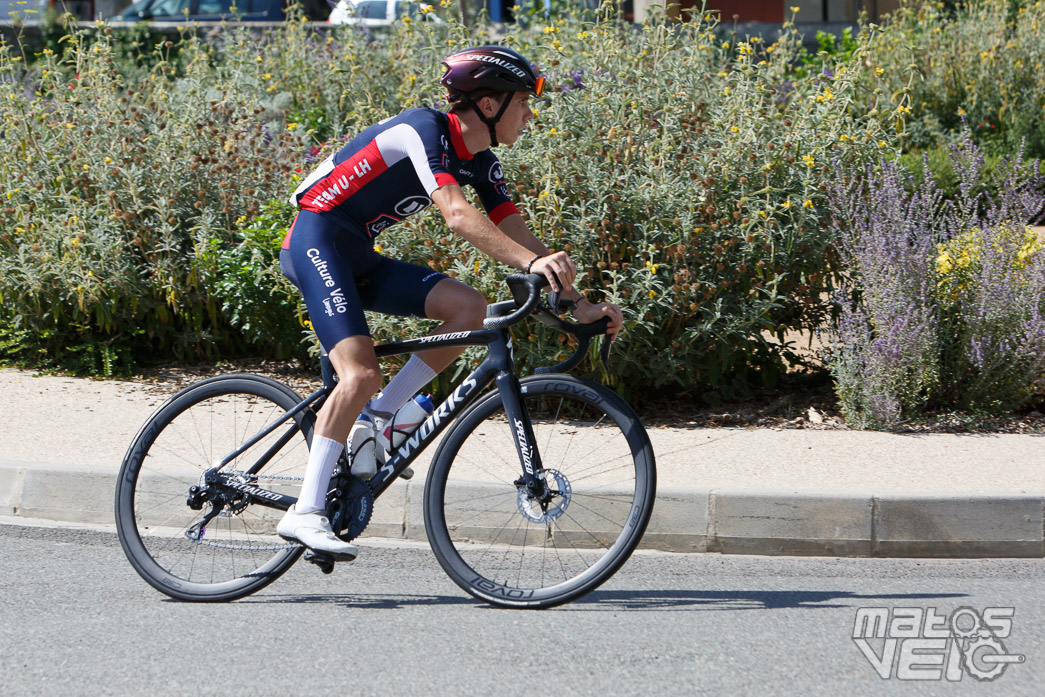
point(503, 546)
point(237, 552)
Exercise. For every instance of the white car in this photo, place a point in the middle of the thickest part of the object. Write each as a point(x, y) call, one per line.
point(378, 13)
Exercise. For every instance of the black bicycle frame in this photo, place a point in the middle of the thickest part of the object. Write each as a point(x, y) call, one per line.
point(498, 367)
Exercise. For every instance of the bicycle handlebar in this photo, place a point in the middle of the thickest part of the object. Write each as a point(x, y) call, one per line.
point(526, 289)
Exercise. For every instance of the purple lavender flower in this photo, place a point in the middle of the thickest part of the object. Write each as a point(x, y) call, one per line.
point(912, 333)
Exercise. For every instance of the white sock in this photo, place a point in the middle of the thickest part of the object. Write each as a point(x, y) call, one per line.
point(407, 382)
point(321, 462)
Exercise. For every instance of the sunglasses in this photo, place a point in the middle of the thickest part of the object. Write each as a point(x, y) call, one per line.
point(539, 88)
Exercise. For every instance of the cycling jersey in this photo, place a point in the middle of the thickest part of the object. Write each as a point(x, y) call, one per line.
point(390, 170)
point(383, 175)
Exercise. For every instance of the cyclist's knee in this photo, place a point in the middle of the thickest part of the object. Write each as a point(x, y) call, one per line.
point(473, 310)
point(360, 379)
point(455, 302)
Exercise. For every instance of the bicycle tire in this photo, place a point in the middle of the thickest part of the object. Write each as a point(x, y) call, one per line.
point(239, 552)
point(592, 444)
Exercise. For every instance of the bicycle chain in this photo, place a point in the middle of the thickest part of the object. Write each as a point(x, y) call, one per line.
point(248, 548)
point(255, 477)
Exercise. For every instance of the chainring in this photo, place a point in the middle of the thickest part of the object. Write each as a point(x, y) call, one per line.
point(351, 511)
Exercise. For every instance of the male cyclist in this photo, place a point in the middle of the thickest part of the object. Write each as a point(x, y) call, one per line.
point(393, 169)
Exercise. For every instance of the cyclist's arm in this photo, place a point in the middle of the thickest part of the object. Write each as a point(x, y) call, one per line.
point(515, 248)
point(586, 312)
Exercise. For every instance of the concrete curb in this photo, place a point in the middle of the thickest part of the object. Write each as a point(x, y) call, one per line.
point(684, 520)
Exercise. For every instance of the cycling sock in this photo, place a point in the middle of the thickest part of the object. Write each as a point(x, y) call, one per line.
point(321, 461)
point(407, 382)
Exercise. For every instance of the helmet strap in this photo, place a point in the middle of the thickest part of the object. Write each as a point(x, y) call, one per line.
point(491, 123)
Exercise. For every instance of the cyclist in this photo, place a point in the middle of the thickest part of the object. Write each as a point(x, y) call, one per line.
point(393, 169)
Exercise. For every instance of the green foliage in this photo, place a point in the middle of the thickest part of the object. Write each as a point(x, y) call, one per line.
point(687, 175)
point(979, 61)
point(243, 275)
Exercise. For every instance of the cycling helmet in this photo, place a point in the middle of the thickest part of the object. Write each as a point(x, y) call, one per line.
point(489, 68)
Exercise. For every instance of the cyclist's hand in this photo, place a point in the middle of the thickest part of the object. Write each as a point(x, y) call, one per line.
point(556, 264)
point(587, 312)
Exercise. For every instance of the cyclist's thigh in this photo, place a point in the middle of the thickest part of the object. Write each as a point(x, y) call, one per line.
point(397, 287)
point(320, 261)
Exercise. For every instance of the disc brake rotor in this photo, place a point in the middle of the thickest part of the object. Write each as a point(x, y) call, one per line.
point(553, 505)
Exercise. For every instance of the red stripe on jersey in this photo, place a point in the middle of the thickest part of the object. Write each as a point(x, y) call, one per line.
point(286, 240)
point(443, 179)
point(505, 210)
point(458, 138)
point(346, 179)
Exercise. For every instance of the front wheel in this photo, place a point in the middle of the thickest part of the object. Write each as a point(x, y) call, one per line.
point(500, 544)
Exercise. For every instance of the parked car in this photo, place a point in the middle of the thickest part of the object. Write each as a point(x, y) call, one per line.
point(378, 13)
point(215, 10)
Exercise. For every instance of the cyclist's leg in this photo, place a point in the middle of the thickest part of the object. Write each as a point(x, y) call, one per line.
point(320, 257)
point(400, 288)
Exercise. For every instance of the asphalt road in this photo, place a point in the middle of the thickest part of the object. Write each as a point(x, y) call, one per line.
point(76, 620)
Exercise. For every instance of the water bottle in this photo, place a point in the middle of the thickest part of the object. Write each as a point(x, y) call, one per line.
point(406, 420)
point(362, 450)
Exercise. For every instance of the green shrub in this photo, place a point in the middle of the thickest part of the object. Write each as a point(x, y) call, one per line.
point(980, 62)
point(686, 174)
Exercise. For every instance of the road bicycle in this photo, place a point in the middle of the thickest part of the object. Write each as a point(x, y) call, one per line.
point(539, 491)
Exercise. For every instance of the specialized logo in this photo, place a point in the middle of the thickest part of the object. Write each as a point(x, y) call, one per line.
point(254, 491)
point(496, 61)
point(525, 448)
point(412, 204)
point(440, 337)
point(913, 643)
point(496, 173)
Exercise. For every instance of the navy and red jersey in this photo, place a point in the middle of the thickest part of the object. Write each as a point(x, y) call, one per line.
point(390, 170)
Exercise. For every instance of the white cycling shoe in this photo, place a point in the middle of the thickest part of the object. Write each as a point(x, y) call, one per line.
point(313, 530)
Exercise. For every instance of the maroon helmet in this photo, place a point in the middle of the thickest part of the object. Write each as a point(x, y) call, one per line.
point(489, 68)
point(494, 68)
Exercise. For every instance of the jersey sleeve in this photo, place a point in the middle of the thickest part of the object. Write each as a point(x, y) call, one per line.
point(492, 188)
point(426, 145)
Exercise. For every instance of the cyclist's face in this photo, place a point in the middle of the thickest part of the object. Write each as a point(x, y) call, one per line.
point(515, 118)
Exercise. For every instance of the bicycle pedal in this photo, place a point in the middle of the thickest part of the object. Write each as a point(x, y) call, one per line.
point(324, 561)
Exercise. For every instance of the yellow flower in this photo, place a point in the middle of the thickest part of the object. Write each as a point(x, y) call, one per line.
point(291, 126)
point(808, 160)
point(786, 204)
point(725, 44)
point(378, 248)
point(808, 203)
point(652, 294)
point(734, 129)
point(944, 264)
point(108, 160)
